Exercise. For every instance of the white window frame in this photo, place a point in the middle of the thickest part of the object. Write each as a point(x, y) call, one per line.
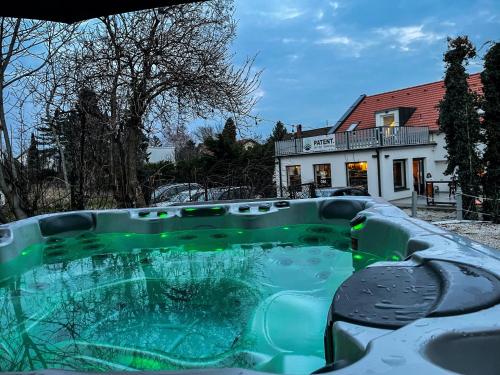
point(379, 117)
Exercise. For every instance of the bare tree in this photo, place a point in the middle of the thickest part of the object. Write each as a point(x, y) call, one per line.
point(206, 132)
point(26, 48)
point(169, 61)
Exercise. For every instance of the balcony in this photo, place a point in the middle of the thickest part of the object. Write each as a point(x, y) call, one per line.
point(355, 140)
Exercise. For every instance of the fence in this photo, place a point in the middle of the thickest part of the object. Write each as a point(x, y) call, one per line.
point(475, 210)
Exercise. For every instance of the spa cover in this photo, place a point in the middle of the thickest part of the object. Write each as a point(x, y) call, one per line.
point(69, 11)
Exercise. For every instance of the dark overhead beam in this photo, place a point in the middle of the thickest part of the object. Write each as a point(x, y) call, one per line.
point(71, 11)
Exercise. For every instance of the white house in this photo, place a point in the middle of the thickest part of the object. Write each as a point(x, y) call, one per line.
point(389, 143)
point(163, 153)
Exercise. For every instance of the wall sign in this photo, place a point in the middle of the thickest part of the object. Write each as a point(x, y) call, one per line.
point(320, 143)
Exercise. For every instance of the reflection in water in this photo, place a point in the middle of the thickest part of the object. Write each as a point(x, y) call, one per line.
point(169, 301)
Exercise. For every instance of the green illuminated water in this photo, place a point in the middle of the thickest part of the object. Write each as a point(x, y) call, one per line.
point(188, 299)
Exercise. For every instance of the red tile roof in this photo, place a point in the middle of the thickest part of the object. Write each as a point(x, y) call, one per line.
point(424, 98)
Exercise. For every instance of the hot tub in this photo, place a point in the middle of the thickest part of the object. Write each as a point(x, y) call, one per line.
point(343, 285)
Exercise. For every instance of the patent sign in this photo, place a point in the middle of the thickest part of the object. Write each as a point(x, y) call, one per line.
point(319, 144)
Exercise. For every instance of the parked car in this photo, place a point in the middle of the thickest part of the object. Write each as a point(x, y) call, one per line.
point(210, 195)
point(166, 192)
point(224, 193)
point(340, 192)
point(185, 196)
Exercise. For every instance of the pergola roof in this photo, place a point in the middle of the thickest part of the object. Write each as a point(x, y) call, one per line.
point(70, 11)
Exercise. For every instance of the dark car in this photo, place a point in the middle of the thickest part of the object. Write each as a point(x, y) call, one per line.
point(166, 192)
point(224, 193)
point(340, 192)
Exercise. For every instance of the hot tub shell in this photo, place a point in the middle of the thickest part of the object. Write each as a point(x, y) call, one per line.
point(460, 342)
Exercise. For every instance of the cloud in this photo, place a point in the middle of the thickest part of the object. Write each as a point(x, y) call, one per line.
point(290, 13)
point(293, 57)
point(324, 28)
point(406, 36)
point(331, 38)
point(349, 45)
point(284, 13)
point(448, 23)
point(320, 14)
point(288, 80)
point(334, 4)
point(293, 40)
point(335, 40)
point(492, 19)
point(259, 93)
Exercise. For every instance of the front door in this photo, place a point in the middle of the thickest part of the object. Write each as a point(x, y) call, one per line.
point(418, 176)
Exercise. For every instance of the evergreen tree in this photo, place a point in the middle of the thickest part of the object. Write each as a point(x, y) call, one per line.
point(491, 124)
point(56, 136)
point(33, 160)
point(229, 131)
point(187, 151)
point(80, 135)
point(459, 120)
point(278, 133)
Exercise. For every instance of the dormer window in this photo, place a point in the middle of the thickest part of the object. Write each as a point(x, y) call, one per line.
point(389, 118)
point(397, 116)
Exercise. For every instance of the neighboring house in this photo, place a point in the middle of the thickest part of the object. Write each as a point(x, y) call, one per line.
point(158, 154)
point(248, 144)
point(389, 143)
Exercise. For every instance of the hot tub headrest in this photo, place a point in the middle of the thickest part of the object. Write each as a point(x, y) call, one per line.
point(401, 294)
point(66, 222)
point(341, 209)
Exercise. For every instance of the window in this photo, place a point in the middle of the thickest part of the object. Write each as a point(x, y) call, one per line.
point(293, 175)
point(352, 127)
point(389, 120)
point(399, 174)
point(322, 175)
point(357, 174)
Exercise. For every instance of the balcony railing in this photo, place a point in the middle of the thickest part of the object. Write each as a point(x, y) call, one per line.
point(355, 140)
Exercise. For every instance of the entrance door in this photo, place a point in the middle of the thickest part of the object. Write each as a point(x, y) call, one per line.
point(418, 176)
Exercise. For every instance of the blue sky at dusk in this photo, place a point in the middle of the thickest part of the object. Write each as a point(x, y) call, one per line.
point(318, 56)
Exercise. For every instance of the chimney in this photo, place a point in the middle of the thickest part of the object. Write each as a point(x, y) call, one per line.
point(299, 131)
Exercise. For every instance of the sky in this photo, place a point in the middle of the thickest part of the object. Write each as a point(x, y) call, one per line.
point(318, 56)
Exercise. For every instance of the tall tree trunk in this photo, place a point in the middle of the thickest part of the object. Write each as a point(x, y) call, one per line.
point(128, 192)
point(133, 142)
point(82, 170)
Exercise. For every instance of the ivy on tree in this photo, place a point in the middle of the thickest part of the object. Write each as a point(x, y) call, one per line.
point(459, 120)
point(491, 125)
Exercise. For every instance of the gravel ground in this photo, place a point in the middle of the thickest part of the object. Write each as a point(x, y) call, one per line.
point(480, 231)
point(433, 215)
